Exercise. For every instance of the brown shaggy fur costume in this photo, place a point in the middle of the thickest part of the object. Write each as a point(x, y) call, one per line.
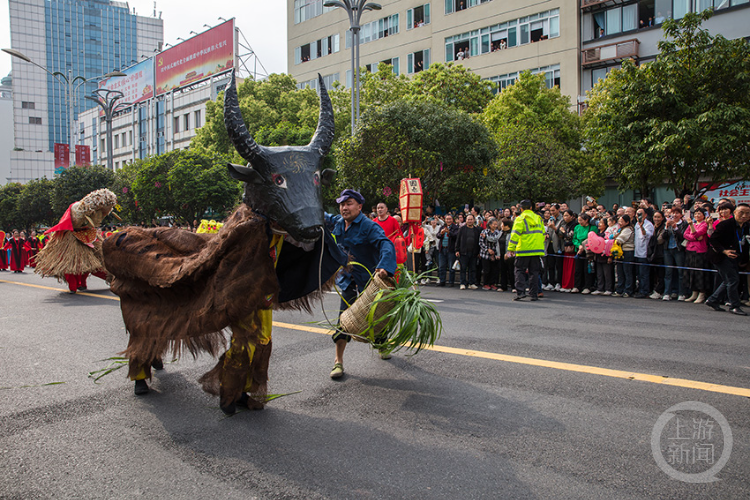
point(179, 290)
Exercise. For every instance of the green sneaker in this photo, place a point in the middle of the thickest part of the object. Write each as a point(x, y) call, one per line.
point(338, 370)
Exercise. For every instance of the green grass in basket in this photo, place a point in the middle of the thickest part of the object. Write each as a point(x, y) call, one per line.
point(413, 322)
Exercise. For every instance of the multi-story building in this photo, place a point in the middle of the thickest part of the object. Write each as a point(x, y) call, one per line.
point(159, 125)
point(495, 39)
point(168, 93)
point(612, 31)
point(86, 38)
point(6, 127)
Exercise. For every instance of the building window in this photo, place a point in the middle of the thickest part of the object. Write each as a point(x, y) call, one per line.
point(316, 49)
point(375, 30)
point(551, 76)
point(176, 124)
point(418, 61)
point(418, 16)
point(529, 29)
point(459, 5)
point(124, 140)
point(130, 134)
point(117, 141)
point(307, 9)
point(187, 122)
point(197, 119)
point(598, 74)
point(35, 120)
point(394, 63)
point(27, 105)
point(102, 150)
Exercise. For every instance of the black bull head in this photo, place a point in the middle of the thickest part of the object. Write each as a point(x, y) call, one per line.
point(283, 183)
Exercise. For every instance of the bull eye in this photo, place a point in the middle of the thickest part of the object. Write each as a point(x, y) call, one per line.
point(279, 181)
point(316, 178)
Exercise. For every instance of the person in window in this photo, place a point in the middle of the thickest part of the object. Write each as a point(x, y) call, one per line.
point(460, 55)
point(601, 32)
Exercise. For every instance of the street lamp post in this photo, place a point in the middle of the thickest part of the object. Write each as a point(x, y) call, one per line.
point(354, 9)
point(69, 81)
point(107, 100)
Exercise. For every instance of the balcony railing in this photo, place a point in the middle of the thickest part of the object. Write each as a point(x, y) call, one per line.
point(611, 52)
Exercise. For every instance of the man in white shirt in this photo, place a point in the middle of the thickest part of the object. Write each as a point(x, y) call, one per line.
point(643, 231)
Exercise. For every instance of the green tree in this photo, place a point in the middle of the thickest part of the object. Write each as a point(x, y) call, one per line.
point(379, 89)
point(540, 145)
point(76, 182)
point(445, 147)
point(34, 203)
point(453, 85)
point(200, 183)
point(9, 217)
point(683, 119)
point(183, 184)
point(273, 108)
point(122, 186)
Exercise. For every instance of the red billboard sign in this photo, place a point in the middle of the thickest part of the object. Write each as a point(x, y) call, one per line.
point(62, 157)
point(195, 59)
point(137, 86)
point(83, 155)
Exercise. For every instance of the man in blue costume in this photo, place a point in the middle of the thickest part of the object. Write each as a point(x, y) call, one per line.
point(366, 243)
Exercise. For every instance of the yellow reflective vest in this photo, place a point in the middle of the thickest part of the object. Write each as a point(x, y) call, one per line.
point(527, 236)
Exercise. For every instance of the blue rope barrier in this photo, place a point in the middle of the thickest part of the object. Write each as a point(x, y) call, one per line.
point(615, 261)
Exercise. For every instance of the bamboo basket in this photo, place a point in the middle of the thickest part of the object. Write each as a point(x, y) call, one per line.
point(362, 317)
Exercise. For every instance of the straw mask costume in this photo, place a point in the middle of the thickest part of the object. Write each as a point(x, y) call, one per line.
point(75, 249)
point(179, 289)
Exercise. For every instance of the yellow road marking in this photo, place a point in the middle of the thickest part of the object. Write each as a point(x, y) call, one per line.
point(110, 297)
point(557, 365)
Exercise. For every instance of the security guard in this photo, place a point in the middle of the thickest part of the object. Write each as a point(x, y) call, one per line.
point(527, 245)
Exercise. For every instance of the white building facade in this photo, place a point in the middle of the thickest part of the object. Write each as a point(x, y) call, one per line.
point(86, 38)
point(162, 124)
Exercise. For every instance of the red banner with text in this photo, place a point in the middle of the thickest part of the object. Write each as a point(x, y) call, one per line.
point(62, 157)
point(196, 59)
point(83, 155)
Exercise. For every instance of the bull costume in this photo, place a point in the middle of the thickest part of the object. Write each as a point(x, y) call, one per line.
point(179, 290)
point(75, 249)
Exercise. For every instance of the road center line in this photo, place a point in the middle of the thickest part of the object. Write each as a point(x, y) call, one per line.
point(557, 365)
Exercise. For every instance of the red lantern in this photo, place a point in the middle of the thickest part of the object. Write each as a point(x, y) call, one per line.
point(418, 236)
point(410, 200)
point(400, 245)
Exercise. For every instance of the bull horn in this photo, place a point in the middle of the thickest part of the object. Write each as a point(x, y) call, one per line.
point(323, 137)
point(235, 125)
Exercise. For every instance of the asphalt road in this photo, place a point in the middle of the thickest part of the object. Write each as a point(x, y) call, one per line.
point(518, 408)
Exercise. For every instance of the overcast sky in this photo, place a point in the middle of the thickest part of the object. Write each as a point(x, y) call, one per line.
point(263, 22)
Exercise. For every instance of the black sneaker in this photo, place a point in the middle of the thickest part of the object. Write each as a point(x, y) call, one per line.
point(639, 296)
point(141, 387)
point(737, 311)
point(534, 299)
point(442, 283)
point(230, 409)
point(714, 306)
point(519, 297)
point(157, 364)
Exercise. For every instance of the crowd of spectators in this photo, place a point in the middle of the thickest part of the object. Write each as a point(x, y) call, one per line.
point(676, 251)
